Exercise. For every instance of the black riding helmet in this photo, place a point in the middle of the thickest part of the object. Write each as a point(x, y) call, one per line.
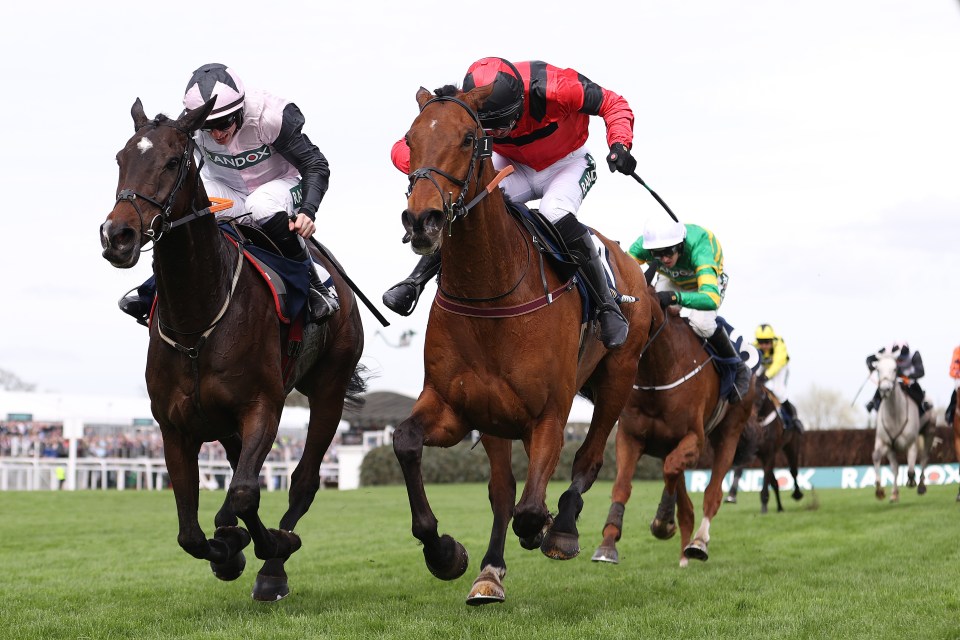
point(504, 106)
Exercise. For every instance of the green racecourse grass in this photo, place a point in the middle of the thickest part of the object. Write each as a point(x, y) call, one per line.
point(106, 565)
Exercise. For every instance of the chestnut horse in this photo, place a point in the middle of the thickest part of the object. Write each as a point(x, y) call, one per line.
point(505, 351)
point(773, 439)
point(675, 402)
point(214, 359)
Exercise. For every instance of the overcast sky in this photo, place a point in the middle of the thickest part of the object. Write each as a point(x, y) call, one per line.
point(819, 140)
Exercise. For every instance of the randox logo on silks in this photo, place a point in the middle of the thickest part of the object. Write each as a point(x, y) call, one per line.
point(241, 161)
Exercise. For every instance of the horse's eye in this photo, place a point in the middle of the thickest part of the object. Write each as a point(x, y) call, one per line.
point(469, 139)
point(172, 163)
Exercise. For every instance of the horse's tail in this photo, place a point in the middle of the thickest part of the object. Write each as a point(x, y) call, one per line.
point(356, 387)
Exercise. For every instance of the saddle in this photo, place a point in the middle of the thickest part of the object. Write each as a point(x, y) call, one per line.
point(549, 243)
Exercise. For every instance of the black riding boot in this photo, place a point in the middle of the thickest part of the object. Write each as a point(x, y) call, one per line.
point(322, 302)
point(613, 326)
point(402, 297)
point(720, 342)
point(137, 302)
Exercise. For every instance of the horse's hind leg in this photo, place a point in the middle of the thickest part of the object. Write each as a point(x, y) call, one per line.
point(445, 557)
point(629, 450)
point(792, 450)
point(724, 440)
point(683, 456)
point(325, 411)
point(879, 450)
point(502, 491)
point(684, 518)
point(734, 486)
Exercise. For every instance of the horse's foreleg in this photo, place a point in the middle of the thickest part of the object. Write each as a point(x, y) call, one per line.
point(879, 451)
point(684, 518)
point(683, 457)
point(562, 542)
point(792, 450)
point(912, 464)
point(180, 454)
point(445, 557)
point(531, 519)
point(895, 471)
point(629, 450)
point(502, 492)
point(724, 441)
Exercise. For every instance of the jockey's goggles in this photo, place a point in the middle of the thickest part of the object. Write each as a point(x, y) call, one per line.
point(665, 252)
point(220, 124)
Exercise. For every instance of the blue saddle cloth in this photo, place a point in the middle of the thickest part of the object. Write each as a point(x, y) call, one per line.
point(294, 276)
point(727, 367)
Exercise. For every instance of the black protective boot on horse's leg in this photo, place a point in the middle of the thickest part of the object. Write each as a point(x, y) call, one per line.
point(951, 407)
point(613, 326)
point(402, 297)
point(322, 302)
point(720, 342)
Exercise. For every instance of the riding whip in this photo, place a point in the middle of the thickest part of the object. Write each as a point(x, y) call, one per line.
point(654, 194)
point(854, 401)
point(356, 290)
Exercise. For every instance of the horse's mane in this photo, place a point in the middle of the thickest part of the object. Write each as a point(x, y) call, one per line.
point(447, 91)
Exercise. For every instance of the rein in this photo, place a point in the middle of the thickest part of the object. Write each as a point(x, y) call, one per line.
point(675, 383)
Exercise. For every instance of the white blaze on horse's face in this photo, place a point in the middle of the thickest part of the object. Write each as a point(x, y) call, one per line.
point(144, 145)
point(886, 373)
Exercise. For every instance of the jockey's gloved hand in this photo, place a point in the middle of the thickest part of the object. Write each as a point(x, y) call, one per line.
point(667, 298)
point(619, 159)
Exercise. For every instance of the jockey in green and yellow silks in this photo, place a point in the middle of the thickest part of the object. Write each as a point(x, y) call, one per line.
point(689, 261)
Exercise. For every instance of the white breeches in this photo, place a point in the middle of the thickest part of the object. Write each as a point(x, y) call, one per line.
point(260, 204)
point(704, 323)
point(778, 383)
point(560, 187)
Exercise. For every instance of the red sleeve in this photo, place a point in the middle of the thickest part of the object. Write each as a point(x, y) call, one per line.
point(618, 116)
point(400, 155)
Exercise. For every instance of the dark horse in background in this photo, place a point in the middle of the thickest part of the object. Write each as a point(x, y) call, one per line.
point(773, 439)
point(505, 349)
point(674, 407)
point(214, 360)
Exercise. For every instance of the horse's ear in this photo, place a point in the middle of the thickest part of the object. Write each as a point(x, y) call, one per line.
point(139, 117)
point(194, 119)
point(423, 96)
point(478, 96)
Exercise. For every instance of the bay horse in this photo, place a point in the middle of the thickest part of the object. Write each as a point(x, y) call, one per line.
point(899, 429)
point(956, 438)
point(505, 351)
point(773, 439)
point(214, 359)
point(674, 407)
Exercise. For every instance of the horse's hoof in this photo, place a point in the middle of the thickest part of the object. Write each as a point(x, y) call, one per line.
point(487, 588)
point(921, 489)
point(696, 550)
point(606, 554)
point(881, 494)
point(450, 561)
point(763, 508)
point(560, 545)
point(730, 499)
point(231, 569)
point(534, 542)
point(270, 588)
point(797, 494)
point(663, 530)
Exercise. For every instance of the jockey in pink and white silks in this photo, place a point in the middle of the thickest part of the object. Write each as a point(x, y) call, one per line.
point(256, 154)
point(538, 116)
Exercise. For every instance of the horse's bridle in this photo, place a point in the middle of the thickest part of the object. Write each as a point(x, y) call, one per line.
point(482, 148)
point(131, 195)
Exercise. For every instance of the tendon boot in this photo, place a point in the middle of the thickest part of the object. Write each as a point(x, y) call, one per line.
point(720, 342)
point(613, 326)
point(402, 297)
point(322, 303)
point(951, 407)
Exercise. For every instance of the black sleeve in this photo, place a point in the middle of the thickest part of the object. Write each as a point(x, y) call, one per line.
point(917, 365)
point(296, 148)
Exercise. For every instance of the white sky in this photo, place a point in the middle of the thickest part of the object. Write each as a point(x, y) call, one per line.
point(819, 140)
